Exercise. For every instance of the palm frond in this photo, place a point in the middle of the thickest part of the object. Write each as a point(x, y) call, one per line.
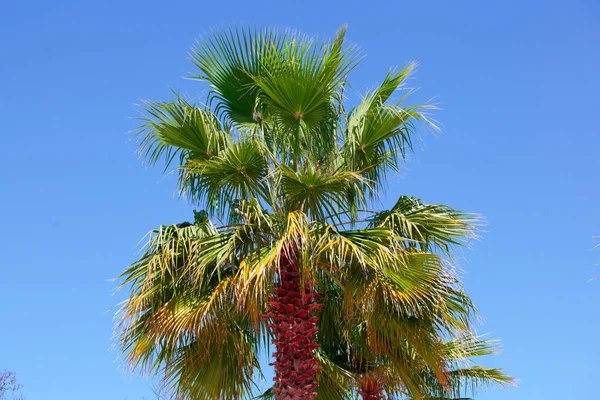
point(466, 347)
point(334, 381)
point(178, 128)
point(317, 192)
point(227, 59)
point(430, 226)
point(237, 173)
point(465, 381)
point(181, 320)
point(298, 84)
point(378, 135)
point(222, 369)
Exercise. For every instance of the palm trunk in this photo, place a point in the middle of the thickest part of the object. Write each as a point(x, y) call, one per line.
point(370, 387)
point(294, 327)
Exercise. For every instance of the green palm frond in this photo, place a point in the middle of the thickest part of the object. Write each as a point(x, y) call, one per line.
point(178, 128)
point(389, 294)
point(228, 59)
point(298, 86)
point(430, 226)
point(465, 347)
point(180, 320)
point(378, 135)
point(237, 173)
point(222, 369)
point(463, 378)
point(293, 73)
point(385, 298)
point(317, 192)
point(465, 381)
point(334, 381)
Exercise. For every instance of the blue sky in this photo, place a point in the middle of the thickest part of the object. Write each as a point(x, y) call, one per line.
point(518, 85)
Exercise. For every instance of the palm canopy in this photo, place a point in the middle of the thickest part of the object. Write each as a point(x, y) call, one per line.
point(277, 130)
point(276, 156)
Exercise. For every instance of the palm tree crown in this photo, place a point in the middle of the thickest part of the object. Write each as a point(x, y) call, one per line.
point(300, 254)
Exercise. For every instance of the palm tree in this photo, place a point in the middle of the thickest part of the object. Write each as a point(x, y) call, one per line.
point(292, 175)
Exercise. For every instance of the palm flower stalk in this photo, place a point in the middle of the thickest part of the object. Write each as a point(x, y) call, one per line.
point(371, 386)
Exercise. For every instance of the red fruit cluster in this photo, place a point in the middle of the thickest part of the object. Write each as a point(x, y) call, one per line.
point(371, 388)
point(294, 327)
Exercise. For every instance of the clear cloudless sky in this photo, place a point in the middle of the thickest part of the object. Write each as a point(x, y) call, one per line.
point(518, 85)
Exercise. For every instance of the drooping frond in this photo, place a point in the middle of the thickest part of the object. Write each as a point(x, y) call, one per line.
point(221, 369)
point(181, 320)
point(334, 381)
point(431, 227)
point(471, 379)
point(465, 378)
point(385, 295)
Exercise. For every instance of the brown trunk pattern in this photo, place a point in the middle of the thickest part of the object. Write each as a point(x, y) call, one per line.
point(293, 324)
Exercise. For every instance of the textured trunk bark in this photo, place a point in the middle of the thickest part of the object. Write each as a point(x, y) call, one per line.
point(294, 326)
point(371, 388)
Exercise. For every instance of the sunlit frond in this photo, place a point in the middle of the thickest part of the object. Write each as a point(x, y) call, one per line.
point(430, 226)
point(228, 59)
point(181, 320)
point(464, 378)
point(378, 135)
point(180, 129)
point(298, 84)
point(219, 369)
point(237, 173)
point(316, 192)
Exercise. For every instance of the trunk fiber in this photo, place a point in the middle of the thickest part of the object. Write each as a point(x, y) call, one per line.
point(294, 326)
